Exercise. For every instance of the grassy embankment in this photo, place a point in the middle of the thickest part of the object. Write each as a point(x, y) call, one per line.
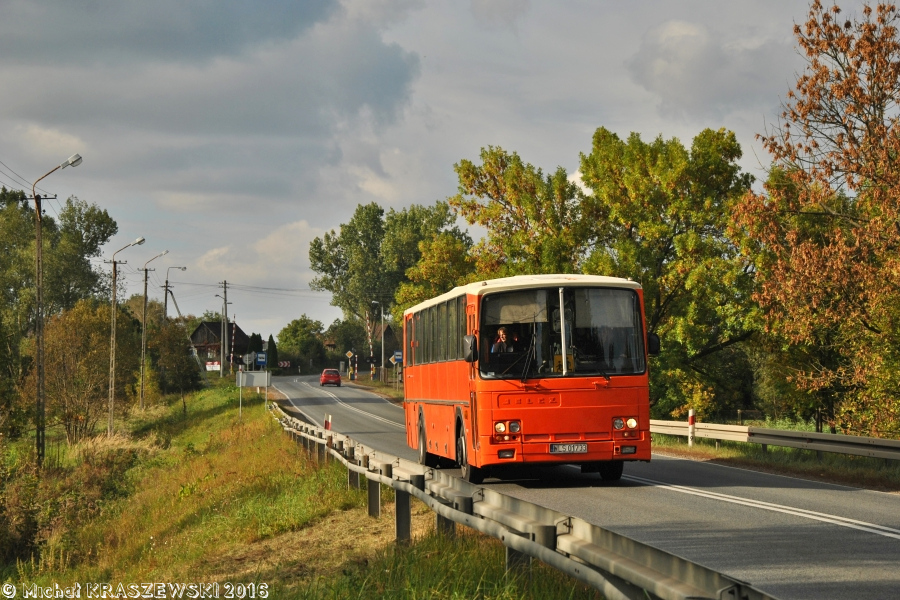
point(210, 498)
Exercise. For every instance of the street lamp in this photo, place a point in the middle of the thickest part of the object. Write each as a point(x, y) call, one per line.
point(144, 324)
point(112, 338)
point(72, 161)
point(381, 307)
point(166, 299)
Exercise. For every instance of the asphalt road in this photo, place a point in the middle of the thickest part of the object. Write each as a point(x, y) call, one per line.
point(793, 538)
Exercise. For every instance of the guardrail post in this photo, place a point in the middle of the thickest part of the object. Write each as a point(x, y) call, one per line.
point(374, 489)
point(320, 447)
point(402, 517)
point(444, 526)
point(515, 560)
point(417, 481)
point(329, 446)
point(352, 476)
point(765, 448)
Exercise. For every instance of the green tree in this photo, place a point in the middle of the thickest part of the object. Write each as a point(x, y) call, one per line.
point(301, 340)
point(667, 213)
point(446, 262)
point(347, 335)
point(368, 259)
point(68, 277)
point(271, 353)
point(535, 223)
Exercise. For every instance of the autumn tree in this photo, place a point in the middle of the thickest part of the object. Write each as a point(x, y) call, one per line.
point(825, 233)
point(76, 359)
point(177, 368)
point(667, 210)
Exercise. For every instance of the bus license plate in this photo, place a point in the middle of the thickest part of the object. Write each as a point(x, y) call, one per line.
point(567, 448)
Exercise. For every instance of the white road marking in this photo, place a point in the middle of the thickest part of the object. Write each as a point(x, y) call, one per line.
point(799, 512)
point(348, 407)
point(362, 412)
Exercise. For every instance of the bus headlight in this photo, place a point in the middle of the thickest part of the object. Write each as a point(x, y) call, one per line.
point(515, 427)
point(631, 423)
point(499, 427)
point(618, 423)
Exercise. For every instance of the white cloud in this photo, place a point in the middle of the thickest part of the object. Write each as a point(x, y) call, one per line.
point(695, 70)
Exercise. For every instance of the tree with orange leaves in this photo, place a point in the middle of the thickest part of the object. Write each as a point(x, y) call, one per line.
point(825, 235)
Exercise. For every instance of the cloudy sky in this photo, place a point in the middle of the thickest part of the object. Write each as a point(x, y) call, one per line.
point(232, 133)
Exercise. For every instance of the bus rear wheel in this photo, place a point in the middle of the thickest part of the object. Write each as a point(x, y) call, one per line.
point(426, 458)
point(611, 470)
point(470, 473)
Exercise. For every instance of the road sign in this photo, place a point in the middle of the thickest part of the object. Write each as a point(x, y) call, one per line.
point(393, 360)
point(261, 358)
point(249, 358)
point(398, 356)
point(349, 354)
point(284, 363)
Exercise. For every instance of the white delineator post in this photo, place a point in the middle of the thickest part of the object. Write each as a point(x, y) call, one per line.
point(691, 427)
point(327, 422)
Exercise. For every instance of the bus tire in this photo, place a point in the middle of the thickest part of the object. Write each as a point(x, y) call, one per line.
point(470, 473)
point(426, 458)
point(611, 470)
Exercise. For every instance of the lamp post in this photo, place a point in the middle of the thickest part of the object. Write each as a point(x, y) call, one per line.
point(381, 307)
point(72, 161)
point(112, 338)
point(166, 298)
point(144, 324)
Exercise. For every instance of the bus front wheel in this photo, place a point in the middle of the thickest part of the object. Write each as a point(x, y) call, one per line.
point(470, 473)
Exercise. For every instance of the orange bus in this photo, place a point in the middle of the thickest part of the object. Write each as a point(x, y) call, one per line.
point(533, 369)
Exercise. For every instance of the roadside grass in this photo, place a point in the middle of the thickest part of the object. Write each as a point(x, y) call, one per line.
point(859, 471)
point(214, 498)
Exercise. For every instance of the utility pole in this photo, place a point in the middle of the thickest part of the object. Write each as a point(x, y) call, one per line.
point(223, 331)
point(144, 335)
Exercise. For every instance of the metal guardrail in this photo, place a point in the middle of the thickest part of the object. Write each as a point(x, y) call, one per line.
point(808, 440)
point(619, 567)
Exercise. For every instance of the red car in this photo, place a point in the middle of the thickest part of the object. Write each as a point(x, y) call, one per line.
point(330, 376)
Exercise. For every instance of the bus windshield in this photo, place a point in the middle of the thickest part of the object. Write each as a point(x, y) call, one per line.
point(598, 332)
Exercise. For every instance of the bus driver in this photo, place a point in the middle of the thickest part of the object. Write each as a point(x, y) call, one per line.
point(502, 344)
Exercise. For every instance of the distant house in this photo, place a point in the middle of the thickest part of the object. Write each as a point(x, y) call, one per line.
point(206, 339)
point(391, 340)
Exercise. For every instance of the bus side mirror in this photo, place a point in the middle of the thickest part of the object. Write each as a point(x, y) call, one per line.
point(652, 344)
point(470, 344)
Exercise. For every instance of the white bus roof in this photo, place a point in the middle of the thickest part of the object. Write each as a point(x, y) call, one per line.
point(527, 281)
